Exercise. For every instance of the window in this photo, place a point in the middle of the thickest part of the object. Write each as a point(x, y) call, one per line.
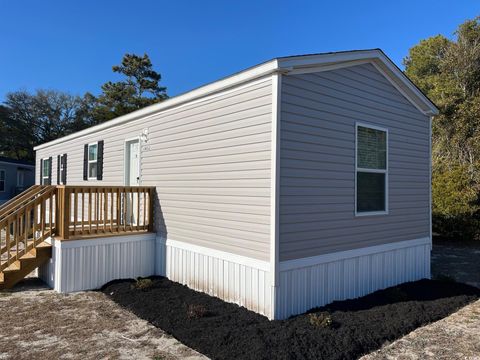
point(20, 178)
point(62, 169)
point(92, 161)
point(371, 170)
point(46, 169)
point(2, 180)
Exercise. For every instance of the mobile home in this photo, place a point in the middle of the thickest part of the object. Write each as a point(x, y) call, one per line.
point(296, 182)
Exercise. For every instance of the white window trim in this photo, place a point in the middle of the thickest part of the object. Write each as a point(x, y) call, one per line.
point(43, 171)
point(378, 171)
point(4, 180)
point(91, 161)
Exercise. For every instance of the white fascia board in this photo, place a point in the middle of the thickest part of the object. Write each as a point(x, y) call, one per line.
point(309, 63)
point(223, 84)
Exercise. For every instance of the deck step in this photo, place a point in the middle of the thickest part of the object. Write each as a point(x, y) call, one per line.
point(15, 266)
point(32, 254)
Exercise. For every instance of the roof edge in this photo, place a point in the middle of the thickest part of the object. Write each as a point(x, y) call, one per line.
point(284, 65)
point(239, 78)
point(381, 61)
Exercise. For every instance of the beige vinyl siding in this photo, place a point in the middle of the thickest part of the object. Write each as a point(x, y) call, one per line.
point(210, 162)
point(317, 149)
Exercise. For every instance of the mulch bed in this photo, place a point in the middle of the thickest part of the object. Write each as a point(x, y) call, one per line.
point(340, 330)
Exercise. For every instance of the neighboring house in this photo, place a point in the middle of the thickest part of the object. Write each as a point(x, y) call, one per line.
point(299, 181)
point(15, 177)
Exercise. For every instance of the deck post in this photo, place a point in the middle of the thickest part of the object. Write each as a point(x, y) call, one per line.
point(151, 194)
point(66, 212)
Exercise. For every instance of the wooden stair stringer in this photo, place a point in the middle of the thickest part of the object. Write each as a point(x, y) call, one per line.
point(18, 270)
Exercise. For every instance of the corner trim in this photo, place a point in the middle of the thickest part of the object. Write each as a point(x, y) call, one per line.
point(326, 258)
point(275, 178)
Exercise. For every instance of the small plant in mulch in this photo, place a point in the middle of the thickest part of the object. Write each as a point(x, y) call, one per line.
point(320, 320)
point(142, 284)
point(196, 311)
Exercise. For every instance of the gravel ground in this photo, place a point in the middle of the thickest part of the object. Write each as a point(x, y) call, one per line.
point(37, 323)
point(454, 337)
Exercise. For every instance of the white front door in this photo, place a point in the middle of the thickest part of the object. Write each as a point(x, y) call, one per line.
point(132, 178)
point(132, 166)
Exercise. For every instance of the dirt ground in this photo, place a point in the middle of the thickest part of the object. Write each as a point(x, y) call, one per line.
point(456, 260)
point(454, 337)
point(37, 323)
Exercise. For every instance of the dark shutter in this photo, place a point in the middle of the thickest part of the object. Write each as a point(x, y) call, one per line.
point(100, 160)
point(85, 162)
point(64, 174)
point(41, 172)
point(59, 159)
point(50, 170)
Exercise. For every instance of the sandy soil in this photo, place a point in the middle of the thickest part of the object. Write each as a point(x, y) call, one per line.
point(454, 337)
point(36, 323)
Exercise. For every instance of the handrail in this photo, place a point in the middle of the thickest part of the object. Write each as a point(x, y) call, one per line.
point(8, 204)
point(23, 198)
point(26, 226)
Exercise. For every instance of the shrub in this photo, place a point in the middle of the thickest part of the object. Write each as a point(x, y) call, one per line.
point(143, 283)
point(455, 212)
point(320, 320)
point(196, 311)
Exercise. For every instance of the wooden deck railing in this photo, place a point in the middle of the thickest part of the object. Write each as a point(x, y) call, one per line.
point(26, 222)
point(70, 212)
point(91, 211)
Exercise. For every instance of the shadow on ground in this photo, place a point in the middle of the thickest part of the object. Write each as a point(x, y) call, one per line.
point(458, 261)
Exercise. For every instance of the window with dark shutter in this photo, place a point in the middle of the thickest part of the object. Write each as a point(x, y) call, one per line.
point(64, 169)
point(59, 159)
point(41, 172)
point(100, 160)
point(50, 170)
point(85, 162)
point(46, 171)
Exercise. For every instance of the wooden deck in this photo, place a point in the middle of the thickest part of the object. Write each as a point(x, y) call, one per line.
point(67, 213)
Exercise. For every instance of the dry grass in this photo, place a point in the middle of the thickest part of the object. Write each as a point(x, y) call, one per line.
point(42, 324)
point(454, 337)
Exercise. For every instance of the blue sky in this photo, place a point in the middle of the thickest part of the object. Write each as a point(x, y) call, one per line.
point(72, 45)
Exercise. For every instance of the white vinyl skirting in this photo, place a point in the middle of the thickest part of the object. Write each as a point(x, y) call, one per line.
point(233, 278)
point(312, 282)
point(303, 283)
point(78, 265)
